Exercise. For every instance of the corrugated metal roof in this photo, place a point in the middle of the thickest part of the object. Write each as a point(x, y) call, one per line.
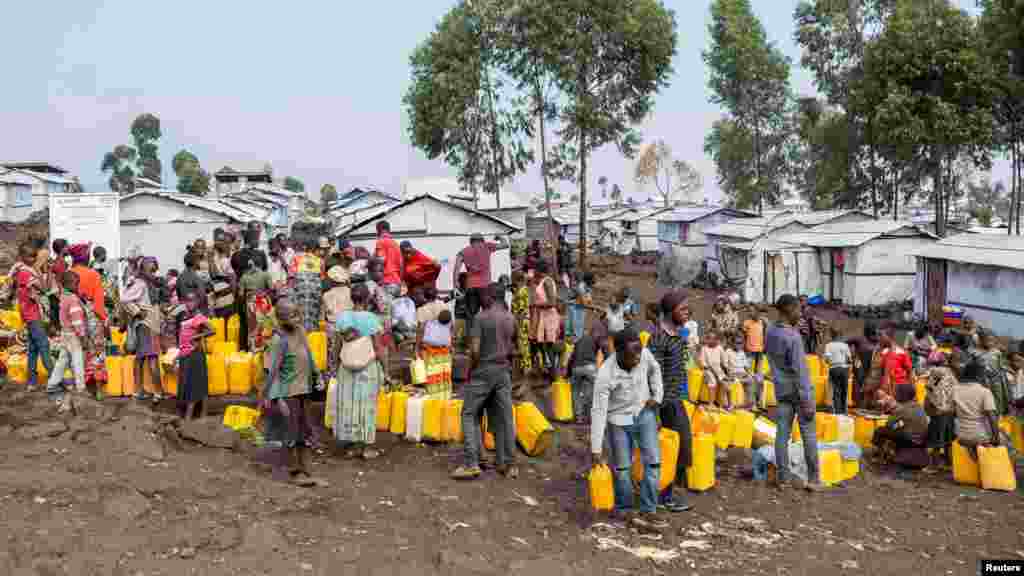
point(361, 219)
point(215, 206)
point(983, 249)
point(851, 234)
point(694, 213)
point(825, 216)
point(55, 178)
point(737, 230)
point(750, 228)
point(33, 166)
point(273, 189)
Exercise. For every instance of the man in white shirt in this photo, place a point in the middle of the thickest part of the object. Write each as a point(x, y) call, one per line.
point(627, 394)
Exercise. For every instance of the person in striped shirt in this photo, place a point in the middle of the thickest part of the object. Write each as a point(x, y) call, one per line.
point(74, 341)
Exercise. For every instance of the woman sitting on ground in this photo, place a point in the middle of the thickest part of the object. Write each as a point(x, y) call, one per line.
point(903, 439)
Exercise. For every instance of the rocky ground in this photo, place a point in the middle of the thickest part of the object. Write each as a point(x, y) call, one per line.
point(124, 489)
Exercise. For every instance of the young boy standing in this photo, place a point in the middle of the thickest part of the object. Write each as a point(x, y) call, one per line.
point(31, 294)
point(74, 342)
point(837, 354)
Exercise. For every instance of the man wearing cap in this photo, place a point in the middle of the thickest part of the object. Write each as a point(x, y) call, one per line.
point(388, 252)
point(477, 258)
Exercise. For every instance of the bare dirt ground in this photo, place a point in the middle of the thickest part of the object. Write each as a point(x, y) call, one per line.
point(113, 491)
point(119, 489)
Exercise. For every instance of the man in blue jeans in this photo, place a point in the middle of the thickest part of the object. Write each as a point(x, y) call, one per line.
point(627, 393)
point(30, 290)
point(784, 347)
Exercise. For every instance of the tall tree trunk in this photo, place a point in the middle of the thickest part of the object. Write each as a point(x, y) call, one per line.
point(583, 200)
point(757, 169)
point(494, 186)
point(1020, 183)
point(940, 223)
point(539, 101)
point(1011, 213)
point(874, 183)
point(895, 195)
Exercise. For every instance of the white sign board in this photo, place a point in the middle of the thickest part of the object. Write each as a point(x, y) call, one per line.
point(87, 218)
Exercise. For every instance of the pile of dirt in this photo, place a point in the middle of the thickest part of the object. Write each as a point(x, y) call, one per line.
point(12, 234)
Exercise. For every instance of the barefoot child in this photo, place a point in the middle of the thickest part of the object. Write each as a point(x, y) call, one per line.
point(193, 383)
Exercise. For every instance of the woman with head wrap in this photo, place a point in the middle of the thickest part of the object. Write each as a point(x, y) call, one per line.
point(90, 288)
point(993, 375)
point(360, 376)
point(90, 284)
point(306, 285)
point(671, 351)
point(141, 304)
point(903, 439)
point(222, 275)
point(255, 288)
point(938, 404)
point(337, 299)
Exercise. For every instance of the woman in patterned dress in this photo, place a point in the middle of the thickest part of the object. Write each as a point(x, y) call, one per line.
point(255, 287)
point(521, 311)
point(308, 284)
point(355, 417)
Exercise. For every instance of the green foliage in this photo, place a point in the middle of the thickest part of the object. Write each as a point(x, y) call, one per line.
point(608, 59)
point(458, 102)
point(145, 131)
point(927, 91)
point(120, 163)
point(328, 194)
point(749, 77)
point(192, 179)
point(293, 184)
point(125, 162)
point(986, 200)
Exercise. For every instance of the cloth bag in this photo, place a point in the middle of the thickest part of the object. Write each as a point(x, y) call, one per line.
point(357, 354)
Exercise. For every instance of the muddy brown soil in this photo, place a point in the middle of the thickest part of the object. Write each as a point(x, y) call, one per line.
point(121, 489)
point(113, 490)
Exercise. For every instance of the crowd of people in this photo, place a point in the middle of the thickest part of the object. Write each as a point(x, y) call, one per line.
point(628, 364)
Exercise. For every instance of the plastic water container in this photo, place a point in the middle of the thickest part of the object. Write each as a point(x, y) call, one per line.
point(965, 468)
point(217, 374)
point(239, 372)
point(700, 476)
point(726, 425)
point(602, 493)
point(533, 431)
point(831, 464)
point(432, 420)
point(845, 428)
point(561, 400)
point(995, 469)
point(452, 421)
point(414, 419)
point(743, 432)
point(383, 411)
point(668, 443)
point(399, 403)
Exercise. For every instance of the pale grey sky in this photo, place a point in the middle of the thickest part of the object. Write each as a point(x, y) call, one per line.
point(312, 87)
